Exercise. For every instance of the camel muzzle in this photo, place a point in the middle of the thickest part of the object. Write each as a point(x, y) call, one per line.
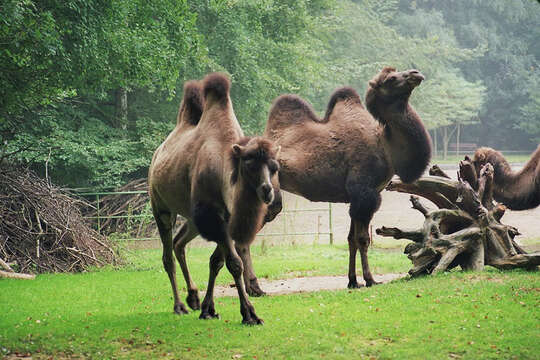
point(414, 77)
point(266, 193)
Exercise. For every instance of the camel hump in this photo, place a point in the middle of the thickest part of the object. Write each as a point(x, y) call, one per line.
point(341, 94)
point(290, 109)
point(216, 85)
point(192, 103)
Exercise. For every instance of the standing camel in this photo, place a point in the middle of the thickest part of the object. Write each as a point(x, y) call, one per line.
point(517, 190)
point(350, 155)
point(219, 181)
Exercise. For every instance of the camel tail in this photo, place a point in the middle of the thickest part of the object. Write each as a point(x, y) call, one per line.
point(341, 94)
point(216, 86)
point(192, 103)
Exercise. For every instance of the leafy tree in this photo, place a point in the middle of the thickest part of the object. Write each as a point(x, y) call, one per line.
point(65, 59)
point(510, 32)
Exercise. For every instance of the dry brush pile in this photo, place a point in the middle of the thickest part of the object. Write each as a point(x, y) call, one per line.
point(42, 228)
point(126, 212)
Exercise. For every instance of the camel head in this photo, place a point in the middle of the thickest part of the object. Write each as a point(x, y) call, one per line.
point(256, 163)
point(486, 155)
point(390, 82)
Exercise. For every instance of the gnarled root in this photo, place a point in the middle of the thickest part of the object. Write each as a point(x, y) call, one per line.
point(465, 231)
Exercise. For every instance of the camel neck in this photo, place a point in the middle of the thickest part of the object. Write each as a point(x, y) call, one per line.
point(247, 212)
point(518, 189)
point(407, 139)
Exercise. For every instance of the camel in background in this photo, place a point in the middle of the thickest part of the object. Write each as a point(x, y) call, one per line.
point(351, 154)
point(219, 181)
point(517, 190)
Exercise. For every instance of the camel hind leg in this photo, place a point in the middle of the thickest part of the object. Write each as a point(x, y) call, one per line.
point(185, 234)
point(164, 223)
point(363, 240)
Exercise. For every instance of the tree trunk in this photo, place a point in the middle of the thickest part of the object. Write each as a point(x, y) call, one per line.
point(445, 142)
point(457, 138)
point(465, 231)
point(121, 109)
point(435, 142)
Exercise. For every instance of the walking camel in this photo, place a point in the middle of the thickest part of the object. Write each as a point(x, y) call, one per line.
point(219, 181)
point(351, 154)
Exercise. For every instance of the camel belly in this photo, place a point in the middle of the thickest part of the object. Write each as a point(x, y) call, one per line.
point(313, 185)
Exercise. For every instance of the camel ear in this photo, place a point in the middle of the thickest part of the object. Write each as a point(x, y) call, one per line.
point(237, 150)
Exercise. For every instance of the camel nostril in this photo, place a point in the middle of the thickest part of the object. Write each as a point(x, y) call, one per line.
point(266, 188)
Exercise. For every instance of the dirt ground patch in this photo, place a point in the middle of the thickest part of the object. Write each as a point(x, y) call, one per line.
point(303, 284)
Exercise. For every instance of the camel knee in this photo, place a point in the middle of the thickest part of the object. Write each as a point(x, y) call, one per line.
point(168, 261)
point(216, 262)
point(235, 266)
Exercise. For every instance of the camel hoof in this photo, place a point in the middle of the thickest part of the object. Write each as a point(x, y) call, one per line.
point(253, 321)
point(371, 283)
point(208, 316)
point(354, 285)
point(193, 300)
point(254, 290)
point(180, 309)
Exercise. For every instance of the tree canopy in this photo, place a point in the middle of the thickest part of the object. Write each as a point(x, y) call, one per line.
point(89, 88)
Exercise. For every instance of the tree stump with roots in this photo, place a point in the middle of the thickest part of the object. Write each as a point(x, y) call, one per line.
point(465, 230)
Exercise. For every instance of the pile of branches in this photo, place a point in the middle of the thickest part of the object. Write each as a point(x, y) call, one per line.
point(42, 228)
point(127, 212)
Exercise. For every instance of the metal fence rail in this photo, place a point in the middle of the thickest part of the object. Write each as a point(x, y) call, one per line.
point(99, 217)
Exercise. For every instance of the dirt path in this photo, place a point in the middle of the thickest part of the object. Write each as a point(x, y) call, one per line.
point(303, 284)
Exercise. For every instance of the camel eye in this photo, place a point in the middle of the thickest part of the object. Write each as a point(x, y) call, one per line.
point(392, 78)
point(273, 166)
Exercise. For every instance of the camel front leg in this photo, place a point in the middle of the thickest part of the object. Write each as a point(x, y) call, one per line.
point(365, 200)
point(250, 279)
point(185, 234)
point(363, 240)
point(236, 268)
point(353, 248)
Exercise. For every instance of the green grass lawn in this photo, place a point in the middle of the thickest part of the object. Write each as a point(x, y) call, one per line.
point(128, 313)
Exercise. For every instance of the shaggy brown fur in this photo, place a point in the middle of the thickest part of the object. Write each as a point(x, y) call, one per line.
point(517, 190)
point(221, 182)
point(192, 105)
point(349, 156)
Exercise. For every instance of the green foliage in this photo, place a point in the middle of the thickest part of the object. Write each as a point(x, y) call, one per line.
point(510, 32)
point(456, 100)
point(63, 62)
point(266, 46)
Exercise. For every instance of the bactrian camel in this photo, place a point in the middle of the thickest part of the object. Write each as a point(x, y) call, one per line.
point(219, 181)
point(518, 190)
point(351, 154)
